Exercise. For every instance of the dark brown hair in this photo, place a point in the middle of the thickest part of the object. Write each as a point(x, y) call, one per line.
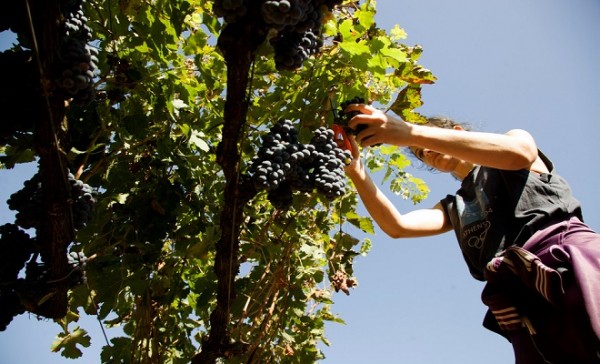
point(439, 122)
point(445, 123)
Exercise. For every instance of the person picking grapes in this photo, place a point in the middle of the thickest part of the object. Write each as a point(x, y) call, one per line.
point(517, 223)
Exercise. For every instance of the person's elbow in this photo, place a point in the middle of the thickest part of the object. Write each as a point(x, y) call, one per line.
point(395, 234)
point(524, 151)
point(391, 231)
point(523, 159)
point(396, 231)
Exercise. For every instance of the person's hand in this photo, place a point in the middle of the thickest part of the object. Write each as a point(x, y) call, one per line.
point(355, 167)
point(379, 128)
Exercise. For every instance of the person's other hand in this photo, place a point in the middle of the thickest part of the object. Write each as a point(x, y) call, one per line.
point(379, 127)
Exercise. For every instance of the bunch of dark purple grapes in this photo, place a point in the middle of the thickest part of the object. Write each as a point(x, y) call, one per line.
point(230, 10)
point(284, 165)
point(29, 205)
point(77, 262)
point(10, 306)
point(297, 24)
point(78, 59)
point(16, 247)
point(84, 199)
point(17, 70)
point(18, 293)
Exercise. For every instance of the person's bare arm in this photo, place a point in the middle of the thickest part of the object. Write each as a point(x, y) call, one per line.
point(420, 222)
point(511, 151)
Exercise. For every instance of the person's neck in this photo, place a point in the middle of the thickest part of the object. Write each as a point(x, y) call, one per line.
point(462, 170)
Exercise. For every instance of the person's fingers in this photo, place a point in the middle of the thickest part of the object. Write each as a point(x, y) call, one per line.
point(366, 139)
point(362, 119)
point(355, 148)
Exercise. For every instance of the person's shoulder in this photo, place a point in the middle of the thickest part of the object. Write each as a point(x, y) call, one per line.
point(519, 133)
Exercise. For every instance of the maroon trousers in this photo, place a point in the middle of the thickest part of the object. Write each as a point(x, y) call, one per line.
point(545, 296)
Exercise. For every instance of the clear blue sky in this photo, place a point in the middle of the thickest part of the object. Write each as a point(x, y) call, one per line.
point(500, 65)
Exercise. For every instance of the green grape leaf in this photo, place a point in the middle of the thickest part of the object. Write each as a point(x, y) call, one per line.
point(397, 33)
point(67, 343)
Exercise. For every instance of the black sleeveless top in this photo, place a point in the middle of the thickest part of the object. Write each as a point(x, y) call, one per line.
point(494, 209)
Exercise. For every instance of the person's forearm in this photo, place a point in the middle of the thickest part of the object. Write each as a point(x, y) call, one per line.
point(377, 204)
point(504, 151)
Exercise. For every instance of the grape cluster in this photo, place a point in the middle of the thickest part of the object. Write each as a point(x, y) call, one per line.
point(296, 24)
point(30, 290)
point(292, 48)
point(328, 164)
point(13, 17)
point(17, 70)
point(17, 247)
point(272, 164)
point(79, 60)
point(281, 13)
point(284, 165)
point(230, 10)
point(37, 277)
point(10, 306)
point(83, 196)
point(282, 197)
point(37, 284)
point(77, 261)
point(343, 118)
point(20, 250)
point(28, 202)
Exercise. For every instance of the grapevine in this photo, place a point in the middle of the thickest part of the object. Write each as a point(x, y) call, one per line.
point(20, 250)
point(284, 165)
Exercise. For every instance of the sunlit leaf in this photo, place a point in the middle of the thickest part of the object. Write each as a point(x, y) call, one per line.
point(366, 17)
point(68, 344)
point(355, 48)
point(347, 31)
point(397, 33)
point(394, 53)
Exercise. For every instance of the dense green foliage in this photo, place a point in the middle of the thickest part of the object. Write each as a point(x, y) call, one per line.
point(182, 252)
